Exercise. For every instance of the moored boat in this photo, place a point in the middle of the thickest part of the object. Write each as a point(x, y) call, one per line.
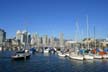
point(21, 55)
point(96, 56)
point(76, 56)
point(88, 57)
point(46, 50)
point(60, 54)
point(105, 56)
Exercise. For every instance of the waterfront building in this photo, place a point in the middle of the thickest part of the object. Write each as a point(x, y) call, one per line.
point(2, 36)
point(70, 44)
point(8, 43)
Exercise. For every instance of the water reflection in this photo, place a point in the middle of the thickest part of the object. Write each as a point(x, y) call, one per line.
point(46, 54)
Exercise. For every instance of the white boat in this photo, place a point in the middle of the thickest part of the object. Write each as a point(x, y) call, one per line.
point(67, 54)
point(46, 50)
point(60, 54)
point(88, 57)
point(76, 56)
point(21, 55)
point(97, 56)
point(105, 56)
point(0, 48)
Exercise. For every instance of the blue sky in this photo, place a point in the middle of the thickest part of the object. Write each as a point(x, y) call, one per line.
point(54, 16)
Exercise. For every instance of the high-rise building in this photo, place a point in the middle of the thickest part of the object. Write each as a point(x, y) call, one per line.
point(29, 38)
point(2, 36)
point(61, 40)
point(35, 39)
point(23, 36)
point(52, 41)
point(45, 40)
point(19, 36)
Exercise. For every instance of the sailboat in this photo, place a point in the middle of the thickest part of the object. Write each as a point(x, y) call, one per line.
point(88, 56)
point(75, 55)
point(96, 55)
point(23, 54)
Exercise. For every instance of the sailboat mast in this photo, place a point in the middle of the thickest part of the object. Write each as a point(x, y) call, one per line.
point(94, 37)
point(87, 33)
point(76, 31)
point(82, 39)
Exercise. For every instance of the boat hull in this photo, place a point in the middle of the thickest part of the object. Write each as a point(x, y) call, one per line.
point(105, 56)
point(20, 58)
point(88, 57)
point(76, 57)
point(61, 55)
point(98, 57)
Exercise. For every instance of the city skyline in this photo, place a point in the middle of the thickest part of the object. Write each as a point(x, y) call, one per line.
point(51, 17)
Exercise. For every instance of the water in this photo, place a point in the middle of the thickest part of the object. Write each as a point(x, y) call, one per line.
point(50, 63)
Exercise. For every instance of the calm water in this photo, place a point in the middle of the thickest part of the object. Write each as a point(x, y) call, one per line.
point(50, 63)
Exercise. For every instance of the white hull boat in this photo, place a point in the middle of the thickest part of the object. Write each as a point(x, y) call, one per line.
point(0, 48)
point(67, 54)
point(98, 57)
point(21, 55)
point(46, 50)
point(61, 54)
point(105, 56)
point(88, 57)
point(76, 56)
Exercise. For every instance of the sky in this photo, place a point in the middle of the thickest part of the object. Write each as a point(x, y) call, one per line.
point(54, 16)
